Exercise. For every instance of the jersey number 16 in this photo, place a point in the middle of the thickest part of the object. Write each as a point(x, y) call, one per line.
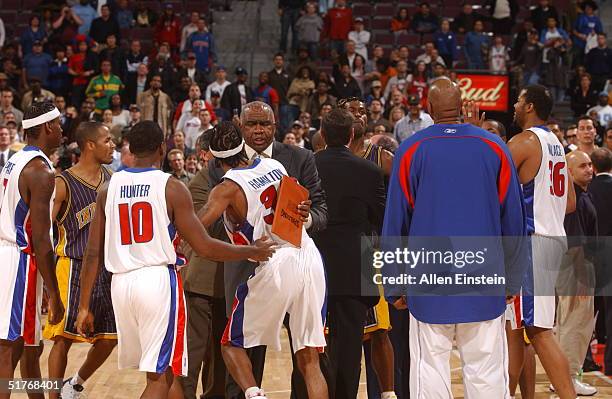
point(557, 179)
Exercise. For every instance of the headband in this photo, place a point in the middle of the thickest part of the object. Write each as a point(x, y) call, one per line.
point(39, 120)
point(228, 153)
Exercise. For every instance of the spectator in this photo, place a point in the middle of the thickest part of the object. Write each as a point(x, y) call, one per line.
point(65, 27)
point(164, 52)
point(237, 94)
point(297, 128)
point(503, 14)
point(113, 53)
point(190, 122)
point(221, 113)
point(608, 143)
point(320, 97)
point(168, 28)
point(36, 94)
point(135, 115)
point(188, 29)
point(397, 100)
point(584, 96)
point(541, 14)
point(498, 56)
point(555, 70)
point(464, 22)
point(138, 85)
point(419, 84)
point(184, 107)
point(549, 35)
point(424, 21)
point(413, 122)
point(289, 138)
point(202, 43)
point(192, 70)
point(59, 79)
point(361, 37)
point(308, 28)
point(178, 142)
point(86, 13)
point(156, 105)
point(401, 81)
point(181, 91)
point(603, 110)
point(6, 107)
point(337, 25)
point(219, 84)
point(376, 93)
point(107, 118)
point(520, 38)
point(430, 56)
point(103, 26)
point(358, 71)
point(121, 116)
point(176, 159)
point(446, 43)
point(599, 62)
point(165, 68)
point(530, 58)
point(303, 60)
point(300, 89)
point(37, 64)
point(103, 86)
point(279, 80)
point(586, 135)
point(266, 93)
point(133, 59)
point(289, 12)
point(400, 23)
point(123, 15)
point(376, 117)
point(586, 25)
point(193, 166)
point(81, 65)
point(33, 33)
point(144, 17)
point(204, 115)
point(475, 43)
point(347, 86)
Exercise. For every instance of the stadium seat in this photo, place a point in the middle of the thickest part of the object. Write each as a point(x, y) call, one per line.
point(8, 5)
point(362, 10)
point(381, 24)
point(385, 10)
point(383, 39)
point(408, 40)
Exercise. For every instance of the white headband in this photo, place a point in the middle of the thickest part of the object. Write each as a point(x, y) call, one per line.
point(228, 153)
point(39, 120)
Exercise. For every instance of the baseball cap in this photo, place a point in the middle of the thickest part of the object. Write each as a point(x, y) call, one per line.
point(134, 107)
point(11, 123)
point(220, 68)
point(359, 20)
point(241, 71)
point(376, 83)
point(297, 123)
point(603, 94)
point(37, 43)
point(413, 100)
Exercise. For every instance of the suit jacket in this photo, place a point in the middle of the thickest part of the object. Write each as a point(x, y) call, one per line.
point(11, 153)
point(231, 97)
point(355, 194)
point(601, 192)
point(203, 276)
point(300, 164)
point(199, 77)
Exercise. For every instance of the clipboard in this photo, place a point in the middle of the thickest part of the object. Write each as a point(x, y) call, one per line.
point(287, 224)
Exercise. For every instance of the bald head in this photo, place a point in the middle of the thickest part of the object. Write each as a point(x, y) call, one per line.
point(580, 166)
point(257, 109)
point(444, 100)
point(318, 143)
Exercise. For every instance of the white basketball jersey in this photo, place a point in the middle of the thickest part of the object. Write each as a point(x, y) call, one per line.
point(259, 182)
point(546, 194)
point(138, 230)
point(15, 224)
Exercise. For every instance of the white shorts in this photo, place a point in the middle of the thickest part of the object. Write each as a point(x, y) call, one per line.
point(484, 358)
point(292, 281)
point(21, 291)
point(535, 307)
point(151, 316)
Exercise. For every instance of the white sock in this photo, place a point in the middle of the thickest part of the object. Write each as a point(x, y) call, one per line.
point(388, 395)
point(252, 392)
point(77, 380)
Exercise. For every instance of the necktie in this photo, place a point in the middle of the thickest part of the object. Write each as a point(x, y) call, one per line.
point(155, 109)
point(1, 160)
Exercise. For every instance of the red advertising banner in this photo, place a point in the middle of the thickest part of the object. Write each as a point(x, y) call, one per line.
point(490, 91)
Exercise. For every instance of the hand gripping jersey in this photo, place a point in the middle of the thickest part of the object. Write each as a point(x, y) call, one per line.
point(259, 182)
point(14, 212)
point(546, 194)
point(138, 230)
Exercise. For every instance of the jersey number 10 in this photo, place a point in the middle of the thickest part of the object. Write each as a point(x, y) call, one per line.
point(557, 179)
point(136, 223)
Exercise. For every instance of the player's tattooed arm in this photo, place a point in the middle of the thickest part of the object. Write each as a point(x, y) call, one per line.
point(180, 210)
point(38, 185)
point(92, 263)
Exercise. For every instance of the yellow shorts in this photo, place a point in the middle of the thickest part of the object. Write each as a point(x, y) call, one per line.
point(378, 317)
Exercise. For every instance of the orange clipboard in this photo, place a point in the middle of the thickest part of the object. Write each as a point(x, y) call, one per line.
point(287, 224)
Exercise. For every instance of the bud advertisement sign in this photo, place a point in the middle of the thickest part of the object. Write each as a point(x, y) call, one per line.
point(490, 91)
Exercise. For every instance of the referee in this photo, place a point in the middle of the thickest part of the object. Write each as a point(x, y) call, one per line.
point(450, 180)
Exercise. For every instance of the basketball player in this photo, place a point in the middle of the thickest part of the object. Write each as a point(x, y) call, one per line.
point(549, 194)
point(378, 321)
point(26, 199)
point(246, 199)
point(73, 211)
point(133, 233)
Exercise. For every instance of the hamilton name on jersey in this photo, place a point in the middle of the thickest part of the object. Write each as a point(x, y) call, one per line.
point(267, 179)
point(134, 190)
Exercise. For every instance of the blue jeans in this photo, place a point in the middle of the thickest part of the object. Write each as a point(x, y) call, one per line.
point(288, 113)
point(530, 78)
point(288, 20)
point(313, 49)
point(338, 45)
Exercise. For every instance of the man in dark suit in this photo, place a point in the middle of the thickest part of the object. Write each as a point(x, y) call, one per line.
point(601, 192)
point(258, 128)
point(190, 69)
point(237, 94)
point(355, 194)
point(5, 143)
